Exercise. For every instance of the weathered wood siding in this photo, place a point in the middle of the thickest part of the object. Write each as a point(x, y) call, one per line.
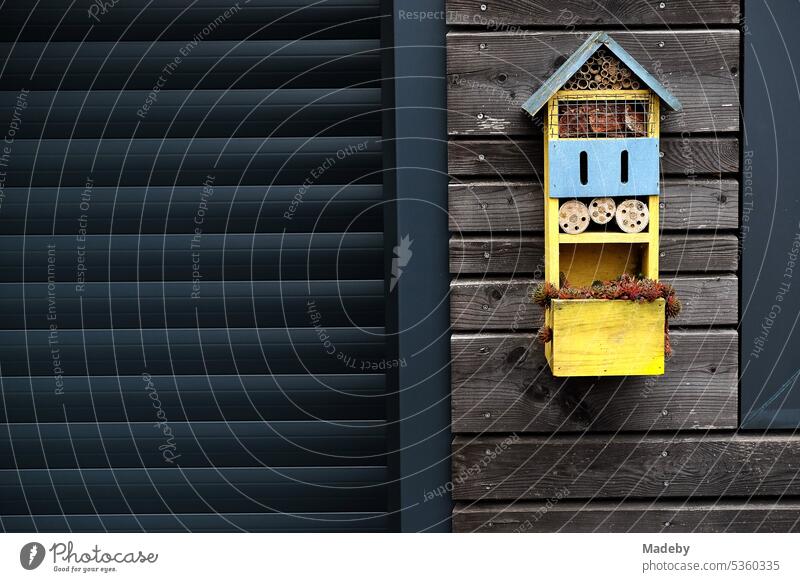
point(609, 454)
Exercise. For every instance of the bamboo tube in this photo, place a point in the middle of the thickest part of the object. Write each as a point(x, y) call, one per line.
point(616, 85)
point(573, 217)
point(634, 84)
point(583, 84)
point(598, 77)
point(592, 84)
point(584, 68)
point(601, 53)
point(626, 83)
point(626, 73)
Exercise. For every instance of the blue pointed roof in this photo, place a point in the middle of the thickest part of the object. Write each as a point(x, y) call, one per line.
point(574, 62)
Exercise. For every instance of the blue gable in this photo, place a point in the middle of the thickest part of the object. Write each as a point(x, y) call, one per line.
point(574, 62)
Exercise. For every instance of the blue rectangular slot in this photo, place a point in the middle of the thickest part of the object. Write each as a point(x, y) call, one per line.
point(603, 171)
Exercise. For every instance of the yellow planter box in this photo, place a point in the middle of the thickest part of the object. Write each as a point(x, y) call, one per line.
point(595, 337)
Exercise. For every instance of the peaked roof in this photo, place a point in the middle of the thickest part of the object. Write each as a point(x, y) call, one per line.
point(574, 62)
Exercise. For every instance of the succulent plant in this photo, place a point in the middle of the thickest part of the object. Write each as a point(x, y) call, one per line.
point(545, 334)
point(625, 288)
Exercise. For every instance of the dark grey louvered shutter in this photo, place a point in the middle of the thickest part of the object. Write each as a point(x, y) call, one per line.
point(189, 189)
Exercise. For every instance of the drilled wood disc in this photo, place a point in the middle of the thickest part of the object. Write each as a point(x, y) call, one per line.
point(602, 210)
point(573, 217)
point(633, 216)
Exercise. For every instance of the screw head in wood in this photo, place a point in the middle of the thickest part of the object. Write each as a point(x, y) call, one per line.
point(481, 157)
point(662, 5)
point(483, 7)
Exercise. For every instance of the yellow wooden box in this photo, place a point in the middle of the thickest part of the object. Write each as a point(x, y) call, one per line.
point(596, 337)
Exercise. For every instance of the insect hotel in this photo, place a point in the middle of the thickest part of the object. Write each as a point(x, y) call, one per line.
point(605, 311)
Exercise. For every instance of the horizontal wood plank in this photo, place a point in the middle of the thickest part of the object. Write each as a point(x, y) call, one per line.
point(655, 517)
point(627, 466)
point(509, 158)
point(501, 383)
point(592, 13)
point(525, 255)
point(491, 74)
point(519, 206)
point(506, 304)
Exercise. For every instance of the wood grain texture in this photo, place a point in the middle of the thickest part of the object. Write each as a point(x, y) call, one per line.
point(501, 383)
point(508, 158)
point(515, 256)
point(518, 206)
point(641, 517)
point(607, 338)
point(505, 304)
point(592, 13)
point(487, 86)
point(628, 466)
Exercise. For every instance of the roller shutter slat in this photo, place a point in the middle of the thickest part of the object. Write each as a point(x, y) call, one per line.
point(163, 209)
point(338, 397)
point(192, 490)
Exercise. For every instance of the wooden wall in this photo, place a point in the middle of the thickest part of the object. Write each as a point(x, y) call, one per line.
point(612, 454)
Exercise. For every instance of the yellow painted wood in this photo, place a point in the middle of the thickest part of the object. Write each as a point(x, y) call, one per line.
point(605, 237)
point(583, 264)
point(551, 262)
point(593, 337)
point(607, 94)
point(650, 262)
point(654, 123)
point(650, 259)
point(551, 128)
point(548, 347)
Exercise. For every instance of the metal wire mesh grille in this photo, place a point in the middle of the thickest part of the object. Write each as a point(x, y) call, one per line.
point(602, 118)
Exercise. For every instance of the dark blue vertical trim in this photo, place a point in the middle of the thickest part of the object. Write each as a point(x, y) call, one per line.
point(770, 237)
point(418, 307)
